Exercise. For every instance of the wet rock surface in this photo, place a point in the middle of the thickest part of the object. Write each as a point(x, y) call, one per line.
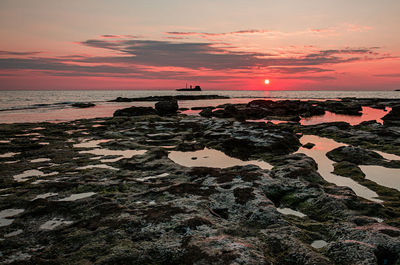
point(146, 209)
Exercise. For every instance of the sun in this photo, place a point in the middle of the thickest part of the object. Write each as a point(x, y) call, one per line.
point(266, 81)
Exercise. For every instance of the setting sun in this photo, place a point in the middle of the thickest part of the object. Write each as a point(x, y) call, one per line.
point(266, 81)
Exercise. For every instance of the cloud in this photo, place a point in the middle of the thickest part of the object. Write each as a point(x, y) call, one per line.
point(10, 53)
point(196, 55)
point(110, 36)
point(296, 70)
point(176, 59)
point(247, 31)
point(395, 75)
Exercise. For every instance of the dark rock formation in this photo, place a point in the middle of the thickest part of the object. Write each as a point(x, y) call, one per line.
point(83, 105)
point(135, 111)
point(167, 107)
point(206, 112)
point(309, 145)
point(167, 98)
point(339, 107)
point(393, 117)
point(356, 155)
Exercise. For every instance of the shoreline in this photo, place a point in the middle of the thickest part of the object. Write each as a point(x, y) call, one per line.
point(119, 187)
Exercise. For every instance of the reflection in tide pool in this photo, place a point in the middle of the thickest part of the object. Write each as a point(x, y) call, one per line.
point(388, 177)
point(368, 114)
point(211, 158)
point(325, 165)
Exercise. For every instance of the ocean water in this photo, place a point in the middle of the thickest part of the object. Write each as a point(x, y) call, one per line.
point(54, 106)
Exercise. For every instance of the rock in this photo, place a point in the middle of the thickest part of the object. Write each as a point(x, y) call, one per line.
point(168, 98)
point(122, 99)
point(206, 113)
point(356, 155)
point(135, 111)
point(167, 107)
point(348, 169)
point(393, 117)
point(83, 105)
point(202, 108)
point(351, 252)
point(346, 108)
point(309, 145)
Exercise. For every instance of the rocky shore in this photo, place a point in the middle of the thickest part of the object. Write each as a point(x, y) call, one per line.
point(118, 190)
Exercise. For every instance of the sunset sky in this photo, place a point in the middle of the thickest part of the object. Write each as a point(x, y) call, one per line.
point(218, 44)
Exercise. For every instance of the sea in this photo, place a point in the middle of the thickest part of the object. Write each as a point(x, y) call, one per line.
point(55, 106)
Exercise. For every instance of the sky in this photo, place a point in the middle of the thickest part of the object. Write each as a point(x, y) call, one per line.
point(217, 44)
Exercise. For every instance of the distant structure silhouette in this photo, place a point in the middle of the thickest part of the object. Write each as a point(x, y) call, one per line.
point(196, 88)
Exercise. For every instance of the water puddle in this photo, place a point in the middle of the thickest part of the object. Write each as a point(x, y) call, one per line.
point(29, 134)
point(319, 244)
point(368, 114)
point(266, 121)
point(77, 196)
point(32, 173)
point(325, 165)
point(4, 141)
point(54, 223)
point(39, 160)
point(388, 156)
point(45, 195)
point(108, 152)
point(211, 158)
point(44, 143)
point(6, 155)
point(379, 220)
point(90, 144)
point(168, 146)
point(288, 211)
point(163, 175)
point(97, 166)
point(388, 177)
point(5, 214)
point(15, 233)
point(45, 181)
